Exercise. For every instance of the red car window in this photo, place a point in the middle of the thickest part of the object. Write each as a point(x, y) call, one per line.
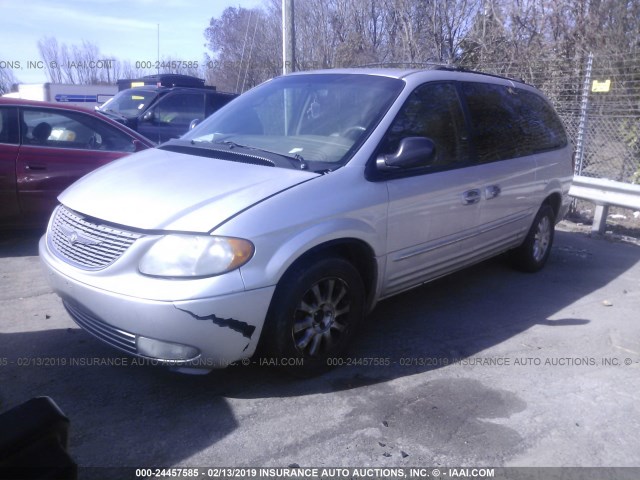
point(53, 128)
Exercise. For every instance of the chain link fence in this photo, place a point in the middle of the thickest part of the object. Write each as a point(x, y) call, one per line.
point(598, 98)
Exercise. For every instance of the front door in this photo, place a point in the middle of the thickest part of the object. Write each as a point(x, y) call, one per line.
point(9, 146)
point(171, 116)
point(434, 210)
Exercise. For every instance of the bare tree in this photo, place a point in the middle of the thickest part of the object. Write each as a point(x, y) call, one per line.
point(476, 33)
point(50, 54)
point(244, 52)
point(487, 40)
point(452, 20)
point(362, 32)
point(75, 64)
point(7, 80)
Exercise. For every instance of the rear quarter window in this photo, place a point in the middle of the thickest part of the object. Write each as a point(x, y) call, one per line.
point(543, 127)
point(509, 122)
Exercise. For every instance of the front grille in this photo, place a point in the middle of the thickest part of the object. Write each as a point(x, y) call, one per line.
point(86, 244)
point(116, 338)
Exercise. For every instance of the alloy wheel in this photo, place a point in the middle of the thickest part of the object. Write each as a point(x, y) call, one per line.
point(321, 317)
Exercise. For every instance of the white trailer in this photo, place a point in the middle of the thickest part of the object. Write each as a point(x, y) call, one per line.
point(87, 96)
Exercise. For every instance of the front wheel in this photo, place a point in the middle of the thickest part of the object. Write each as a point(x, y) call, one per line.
point(314, 314)
point(532, 255)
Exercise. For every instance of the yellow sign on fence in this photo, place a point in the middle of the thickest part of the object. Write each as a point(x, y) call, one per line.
point(601, 87)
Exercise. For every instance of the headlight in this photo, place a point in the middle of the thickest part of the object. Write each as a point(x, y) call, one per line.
point(195, 256)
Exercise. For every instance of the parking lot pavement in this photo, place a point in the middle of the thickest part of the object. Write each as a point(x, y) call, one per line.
point(488, 367)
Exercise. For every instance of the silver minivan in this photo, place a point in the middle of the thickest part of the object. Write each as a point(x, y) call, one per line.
point(279, 222)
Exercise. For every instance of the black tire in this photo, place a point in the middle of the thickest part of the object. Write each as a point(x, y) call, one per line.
point(532, 255)
point(313, 316)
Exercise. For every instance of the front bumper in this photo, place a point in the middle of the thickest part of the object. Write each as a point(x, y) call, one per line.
point(220, 329)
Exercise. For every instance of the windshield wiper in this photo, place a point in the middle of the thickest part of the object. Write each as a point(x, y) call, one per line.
point(300, 159)
point(300, 162)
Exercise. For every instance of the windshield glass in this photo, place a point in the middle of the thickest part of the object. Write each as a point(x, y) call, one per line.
point(315, 118)
point(129, 103)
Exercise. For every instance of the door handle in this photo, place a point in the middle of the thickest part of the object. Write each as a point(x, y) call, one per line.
point(471, 196)
point(35, 167)
point(492, 191)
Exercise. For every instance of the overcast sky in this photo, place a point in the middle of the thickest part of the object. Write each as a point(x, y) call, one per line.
point(122, 29)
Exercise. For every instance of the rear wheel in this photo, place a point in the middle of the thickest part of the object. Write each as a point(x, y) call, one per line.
point(532, 255)
point(314, 314)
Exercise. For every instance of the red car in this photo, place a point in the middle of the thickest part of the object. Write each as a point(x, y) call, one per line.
point(45, 147)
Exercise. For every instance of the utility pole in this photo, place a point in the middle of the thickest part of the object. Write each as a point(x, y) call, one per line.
point(584, 116)
point(288, 38)
point(158, 44)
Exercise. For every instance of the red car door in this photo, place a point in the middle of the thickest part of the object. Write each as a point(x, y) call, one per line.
point(9, 146)
point(59, 147)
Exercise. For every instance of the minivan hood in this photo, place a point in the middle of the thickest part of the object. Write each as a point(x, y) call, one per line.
point(162, 190)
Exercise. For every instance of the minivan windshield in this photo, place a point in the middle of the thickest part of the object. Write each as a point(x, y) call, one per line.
point(129, 103)
point(318, 119)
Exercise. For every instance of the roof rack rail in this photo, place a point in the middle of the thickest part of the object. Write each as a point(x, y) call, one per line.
point(163, 80)
point(435, 66)
point(450, 68)
point(402, 65)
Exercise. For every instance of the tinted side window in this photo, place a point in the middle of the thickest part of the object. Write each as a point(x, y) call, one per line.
point(496, 121)
point(216, 101)
point(433, 111)
point(9, 125)
point(509, 122)
point(180, 108)
point(57, 128)
point(543, 127)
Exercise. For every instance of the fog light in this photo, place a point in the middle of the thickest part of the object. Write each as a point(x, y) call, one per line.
point(160, 350)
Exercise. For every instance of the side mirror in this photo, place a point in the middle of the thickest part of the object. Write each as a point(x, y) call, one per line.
point(149, 116)
point(412, 152)
point(138, 146)
point(194, 123)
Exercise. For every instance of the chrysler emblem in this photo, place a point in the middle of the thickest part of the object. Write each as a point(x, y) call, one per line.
point(73, 236)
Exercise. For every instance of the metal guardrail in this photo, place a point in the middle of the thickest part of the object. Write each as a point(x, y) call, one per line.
point(605, 193)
